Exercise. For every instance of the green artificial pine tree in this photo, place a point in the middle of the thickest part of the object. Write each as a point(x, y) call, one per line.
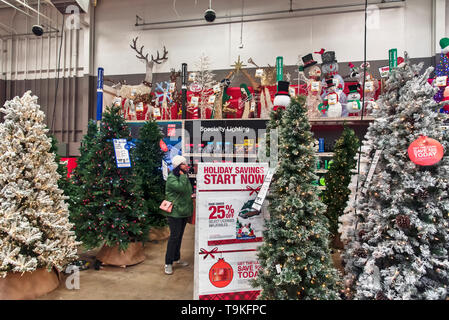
point(148, 169)
point(109, 204)
point(338, 178)
point(295, 257)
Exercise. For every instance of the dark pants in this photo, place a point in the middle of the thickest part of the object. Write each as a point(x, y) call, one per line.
point(177, 226)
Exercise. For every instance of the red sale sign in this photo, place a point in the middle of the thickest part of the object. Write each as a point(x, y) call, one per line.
point(425, 151)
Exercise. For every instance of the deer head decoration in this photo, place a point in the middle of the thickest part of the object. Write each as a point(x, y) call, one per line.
point(269, 74)
point(130, 92)
point(149, 62)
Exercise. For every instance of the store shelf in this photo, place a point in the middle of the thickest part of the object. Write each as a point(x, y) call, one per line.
point(324, 154)
point(220, 155)
point(333, 121)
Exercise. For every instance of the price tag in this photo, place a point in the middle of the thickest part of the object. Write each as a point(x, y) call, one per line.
point(216, 88)
point(315, 86)
point(172, 86)
point(332, 98)
point(139, 107)
point(253, 106)
point(292, 91)
point(156, 112)
point(194, 101)
point(211, 99)
point(192, 76)
point(278, 268)
point(259, 73)
point(117, 101)
point(369, 86)
point(258, 202)
point(384, 72)
point(441, 81)
point(133, 92)
point(122, 158)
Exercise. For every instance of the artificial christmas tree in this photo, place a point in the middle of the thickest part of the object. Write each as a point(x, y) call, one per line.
point(338, 178)
point(441, 80)
point(398, 241)
point(148, 170)
point(295, 257)
point(35, 232)
point(109, 206)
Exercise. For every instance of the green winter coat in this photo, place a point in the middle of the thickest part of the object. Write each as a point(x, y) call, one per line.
point(179, 192)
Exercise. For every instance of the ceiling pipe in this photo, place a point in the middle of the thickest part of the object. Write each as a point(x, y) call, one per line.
point(34, 10)
point(287, 14)
point(27, 14)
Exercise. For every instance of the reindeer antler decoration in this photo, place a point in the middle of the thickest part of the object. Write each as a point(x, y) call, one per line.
point(149, 63)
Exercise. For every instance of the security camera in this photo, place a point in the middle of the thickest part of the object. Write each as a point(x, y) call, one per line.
point(37, 30)
point(210, 15)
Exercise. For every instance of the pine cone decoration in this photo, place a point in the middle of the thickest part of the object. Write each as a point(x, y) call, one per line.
point(360, 252)
point(403, 221)
point(380, 296)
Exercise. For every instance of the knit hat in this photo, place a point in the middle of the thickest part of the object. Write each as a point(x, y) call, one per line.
point(178, 160)
point(444, 44)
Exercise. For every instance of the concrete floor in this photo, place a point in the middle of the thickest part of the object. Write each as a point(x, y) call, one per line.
point(145, 281)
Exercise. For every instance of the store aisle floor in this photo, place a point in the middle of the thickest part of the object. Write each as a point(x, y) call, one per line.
point(143, 281)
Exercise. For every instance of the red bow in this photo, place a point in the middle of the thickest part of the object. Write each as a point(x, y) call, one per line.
point(249, 188)
point(206, 253)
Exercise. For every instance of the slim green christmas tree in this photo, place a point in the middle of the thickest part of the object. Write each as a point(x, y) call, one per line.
point(339, 176)
point(295, 256)
point(148, 169)
point(109, 203)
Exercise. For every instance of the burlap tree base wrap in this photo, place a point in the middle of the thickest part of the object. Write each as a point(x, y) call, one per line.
point(29, 285)
point(115, 257)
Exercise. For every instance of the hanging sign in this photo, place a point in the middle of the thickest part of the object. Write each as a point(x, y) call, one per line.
point(279, 68)
point(371, 170)
point(393, 58)
point(257, 205)
point(228, 230)
point(122, 158)
point(425, 151)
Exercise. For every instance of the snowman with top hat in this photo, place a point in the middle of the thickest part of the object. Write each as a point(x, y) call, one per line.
point(282, 97)
point(329, 69)
point(354, 105)
point(331, 106)
point(313, 75)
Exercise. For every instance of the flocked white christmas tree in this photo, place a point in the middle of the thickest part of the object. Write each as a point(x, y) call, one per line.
point(35, 231)
point(398, 229)
point(205, 78)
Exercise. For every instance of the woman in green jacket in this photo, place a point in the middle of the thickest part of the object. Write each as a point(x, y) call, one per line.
point(178, 191)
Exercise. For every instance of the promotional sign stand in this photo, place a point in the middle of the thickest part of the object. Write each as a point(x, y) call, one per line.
point(228, 230)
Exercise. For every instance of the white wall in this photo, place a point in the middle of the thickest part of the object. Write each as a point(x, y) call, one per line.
point(31, 57)
point(407, 28)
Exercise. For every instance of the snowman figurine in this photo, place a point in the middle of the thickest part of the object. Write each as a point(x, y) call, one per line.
point(331, 106)
point(313, 75)
point(371, 86)
point(329, 69)
point(353, 106)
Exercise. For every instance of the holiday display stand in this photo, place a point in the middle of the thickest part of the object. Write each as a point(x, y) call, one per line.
point(116, 257)
point(28, 285)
